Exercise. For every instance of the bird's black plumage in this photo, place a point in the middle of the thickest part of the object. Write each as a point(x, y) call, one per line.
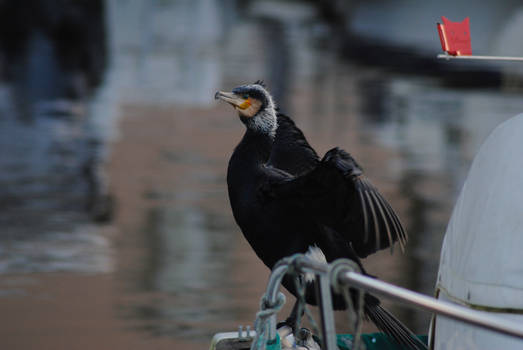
point(286, 199)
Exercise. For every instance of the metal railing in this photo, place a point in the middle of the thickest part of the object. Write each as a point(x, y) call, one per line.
point(446, 56)
point(350, 277)
point(440, 307)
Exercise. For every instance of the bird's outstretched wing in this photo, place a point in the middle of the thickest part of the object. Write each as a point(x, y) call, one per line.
point(291, 152)
point(337, 194)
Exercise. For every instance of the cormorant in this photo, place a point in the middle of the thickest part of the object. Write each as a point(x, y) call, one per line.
point(287, 200)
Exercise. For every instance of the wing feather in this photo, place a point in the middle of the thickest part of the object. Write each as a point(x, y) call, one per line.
point(337, 194)
point(385, 224)
point(374, 219)
point(385, 221)
point(365, 217)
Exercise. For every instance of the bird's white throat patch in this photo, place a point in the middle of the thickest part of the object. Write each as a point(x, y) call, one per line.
point(265, 120)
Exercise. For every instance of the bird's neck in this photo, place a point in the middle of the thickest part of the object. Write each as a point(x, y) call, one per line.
point(265, 122)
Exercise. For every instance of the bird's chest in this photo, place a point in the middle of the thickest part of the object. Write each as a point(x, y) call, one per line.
point(271, 229)
point(245, 202)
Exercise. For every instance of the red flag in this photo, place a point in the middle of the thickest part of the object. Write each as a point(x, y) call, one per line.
point(455, 37)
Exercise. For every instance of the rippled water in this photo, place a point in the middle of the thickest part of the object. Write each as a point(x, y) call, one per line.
point(184, 268)
point(50, 156)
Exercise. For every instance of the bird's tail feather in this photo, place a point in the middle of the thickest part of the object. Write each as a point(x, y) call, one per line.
point(390, 325)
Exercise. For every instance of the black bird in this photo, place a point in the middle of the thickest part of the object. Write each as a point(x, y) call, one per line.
point(287, 200)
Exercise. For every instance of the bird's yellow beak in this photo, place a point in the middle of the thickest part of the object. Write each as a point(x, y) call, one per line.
point(236, 101)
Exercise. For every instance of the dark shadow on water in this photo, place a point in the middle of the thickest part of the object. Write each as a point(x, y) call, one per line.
point(54, 55)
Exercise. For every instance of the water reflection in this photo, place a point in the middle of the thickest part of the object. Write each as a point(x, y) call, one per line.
point(188, 259)
point(414, 138)
point(185, 271)
point(166, 52)
point(50, 191)
point(437, 132)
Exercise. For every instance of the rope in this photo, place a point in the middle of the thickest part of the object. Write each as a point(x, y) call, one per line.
point(355, 316)
point(270, 308)
point(262, 324)
point(301, 287)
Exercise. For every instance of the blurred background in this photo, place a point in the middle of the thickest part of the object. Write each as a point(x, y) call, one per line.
point(115, 226)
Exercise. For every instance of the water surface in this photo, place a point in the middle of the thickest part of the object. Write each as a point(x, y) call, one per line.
point(179, 268)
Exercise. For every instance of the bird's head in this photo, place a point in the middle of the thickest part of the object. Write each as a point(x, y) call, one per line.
point(254, 105)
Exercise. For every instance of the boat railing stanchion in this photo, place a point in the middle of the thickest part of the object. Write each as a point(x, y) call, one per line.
point(328, 328)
